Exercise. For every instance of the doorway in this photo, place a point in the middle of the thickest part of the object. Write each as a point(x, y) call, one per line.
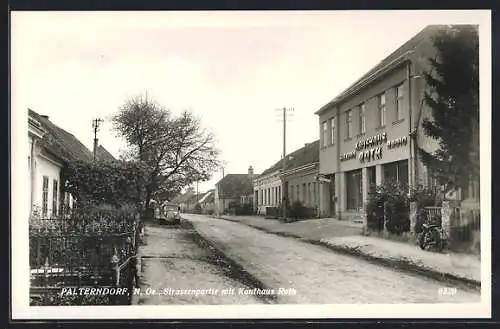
point(331, 186)
point(354, 190)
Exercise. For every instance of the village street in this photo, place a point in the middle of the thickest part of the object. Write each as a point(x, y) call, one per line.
point(174, 268)
point(308, 273)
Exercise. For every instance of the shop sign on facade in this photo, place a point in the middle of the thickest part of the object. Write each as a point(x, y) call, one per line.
point(374, 153)
point(397, 142)
point(372, 141)
point(348, 156)
point(370, 155)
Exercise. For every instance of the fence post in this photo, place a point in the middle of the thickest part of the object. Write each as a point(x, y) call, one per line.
point(446, 217)
point(413, 217)
point(46, 280)
point(385, 232)
point(38, 251)
point(115, 266)
point(79, 284)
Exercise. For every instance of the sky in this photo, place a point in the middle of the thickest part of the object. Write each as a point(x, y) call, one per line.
point(234, 70)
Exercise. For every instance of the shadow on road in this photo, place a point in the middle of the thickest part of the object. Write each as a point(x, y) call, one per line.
point(177, 257)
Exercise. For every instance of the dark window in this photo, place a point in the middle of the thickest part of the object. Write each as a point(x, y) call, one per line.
point(45, 195)
point(372, 176)
point(348, 116)
point(55, 195)
point(314, 193)
point(397, 172)
point(382, 110)
point(399, 102)
point(354, 190)
point(309, 193)
point(332, 130)
point(325, 133)
point(362, 118)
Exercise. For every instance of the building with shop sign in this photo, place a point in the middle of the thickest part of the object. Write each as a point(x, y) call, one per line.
point(371, 132)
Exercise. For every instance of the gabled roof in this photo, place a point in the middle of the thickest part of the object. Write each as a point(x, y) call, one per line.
point(298, 158)
point(194, 198)
point(208, 197)
point(234, 186)
point(103, 155)
point(65, 145)
point(396, 57)
point(60, 142)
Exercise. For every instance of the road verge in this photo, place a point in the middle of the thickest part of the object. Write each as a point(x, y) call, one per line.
point(403, 264)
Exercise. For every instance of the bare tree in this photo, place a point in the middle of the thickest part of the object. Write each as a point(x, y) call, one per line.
point(177, 149)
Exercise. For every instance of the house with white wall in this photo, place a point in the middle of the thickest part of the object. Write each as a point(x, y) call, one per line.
point(299, 177)
point(49, 149)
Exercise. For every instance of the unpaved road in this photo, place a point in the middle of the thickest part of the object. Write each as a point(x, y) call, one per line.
point(318, 275)
point(175, 266)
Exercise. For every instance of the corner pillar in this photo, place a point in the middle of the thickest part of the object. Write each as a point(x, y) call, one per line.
point(379, 175)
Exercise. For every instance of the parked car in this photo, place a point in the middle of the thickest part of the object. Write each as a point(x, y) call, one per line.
point(171, 214)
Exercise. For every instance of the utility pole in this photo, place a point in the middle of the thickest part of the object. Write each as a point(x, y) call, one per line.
point(95, 124)
point(284, 191)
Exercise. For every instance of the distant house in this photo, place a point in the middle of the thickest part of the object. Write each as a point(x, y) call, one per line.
point(50, 148)
point(207, 202)
point(300, 174)
point(185, 200)
point(192, 202)
point(233, 188)
point(190, 199)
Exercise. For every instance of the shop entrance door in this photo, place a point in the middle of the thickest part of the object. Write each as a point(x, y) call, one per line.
point(354, 190)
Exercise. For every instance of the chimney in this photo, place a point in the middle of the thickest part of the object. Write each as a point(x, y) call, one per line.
point(45, 116)
point(250, 171)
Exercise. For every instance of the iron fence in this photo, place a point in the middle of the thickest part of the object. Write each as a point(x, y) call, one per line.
point(464, 226)
point(78, 252)
point(433, 214)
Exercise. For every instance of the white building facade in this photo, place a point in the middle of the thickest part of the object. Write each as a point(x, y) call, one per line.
point(44, 171)
point(267, 191)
